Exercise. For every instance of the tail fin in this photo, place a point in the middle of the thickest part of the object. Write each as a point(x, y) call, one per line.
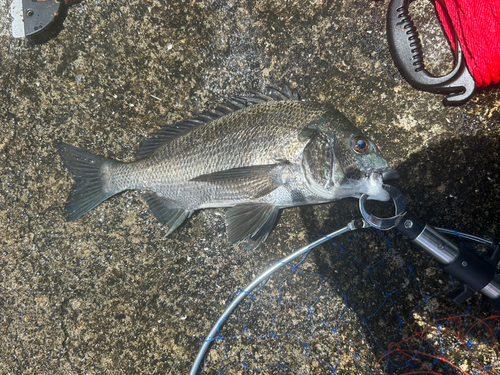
point(88, 190)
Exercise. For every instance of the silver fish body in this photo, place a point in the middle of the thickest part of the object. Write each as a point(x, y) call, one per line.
point(255, 155)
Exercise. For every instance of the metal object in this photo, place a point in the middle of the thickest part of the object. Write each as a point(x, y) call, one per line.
point(475, 272)
point(492, 290)
point(31, 17)
point(406, 51)
point(437, 245)
point(386, 223)
point(353, 225)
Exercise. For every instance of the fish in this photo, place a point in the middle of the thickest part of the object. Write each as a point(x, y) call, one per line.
point(253, 155)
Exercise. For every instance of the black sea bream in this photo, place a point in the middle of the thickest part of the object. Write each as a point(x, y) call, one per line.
point(254, 155)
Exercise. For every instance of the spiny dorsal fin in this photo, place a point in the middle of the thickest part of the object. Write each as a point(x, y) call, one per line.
point(160, 136)
point(234, 104)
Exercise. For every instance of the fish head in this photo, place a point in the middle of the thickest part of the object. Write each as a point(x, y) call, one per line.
point(359, 167)
point(339, 161)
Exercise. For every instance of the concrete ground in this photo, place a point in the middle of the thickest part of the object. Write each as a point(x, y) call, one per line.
point(109, 293)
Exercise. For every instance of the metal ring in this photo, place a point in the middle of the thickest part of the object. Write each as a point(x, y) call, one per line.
point(384, 223)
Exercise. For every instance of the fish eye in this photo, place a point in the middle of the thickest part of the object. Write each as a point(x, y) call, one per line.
point(360, 145)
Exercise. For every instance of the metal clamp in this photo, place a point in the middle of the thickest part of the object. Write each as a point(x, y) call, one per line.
point(384, 223)
point(475, 272)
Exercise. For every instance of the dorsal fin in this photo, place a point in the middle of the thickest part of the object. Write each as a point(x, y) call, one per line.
point(234, 104)
point(158, 137)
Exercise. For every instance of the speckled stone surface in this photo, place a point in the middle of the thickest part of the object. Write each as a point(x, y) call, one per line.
point(109, 293)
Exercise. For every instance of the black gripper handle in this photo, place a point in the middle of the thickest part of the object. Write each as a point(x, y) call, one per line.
point(406, 50)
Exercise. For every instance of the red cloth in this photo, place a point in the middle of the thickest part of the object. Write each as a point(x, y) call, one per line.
point(477, 24)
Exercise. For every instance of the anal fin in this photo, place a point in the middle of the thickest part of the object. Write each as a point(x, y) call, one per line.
point(251, 223)
point(164, 211)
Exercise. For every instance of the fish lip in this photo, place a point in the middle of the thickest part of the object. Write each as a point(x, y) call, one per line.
point(383, 173)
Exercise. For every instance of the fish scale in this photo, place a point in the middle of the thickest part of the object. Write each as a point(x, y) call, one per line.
point(255, 155)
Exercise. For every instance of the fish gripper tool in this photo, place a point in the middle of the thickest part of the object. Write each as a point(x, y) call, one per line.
point(406, 50)
point(475, 272)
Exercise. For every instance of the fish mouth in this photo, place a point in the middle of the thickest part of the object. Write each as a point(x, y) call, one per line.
point(383, 174)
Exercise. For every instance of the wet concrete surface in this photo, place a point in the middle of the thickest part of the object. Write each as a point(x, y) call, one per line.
point(109, 293)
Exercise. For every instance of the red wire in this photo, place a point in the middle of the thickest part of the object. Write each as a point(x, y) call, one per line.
point(446, 330)
point(477, 24)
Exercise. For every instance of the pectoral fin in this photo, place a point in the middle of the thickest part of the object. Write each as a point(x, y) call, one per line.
point(255, 181)
point(164, 211)
point(250, 222)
